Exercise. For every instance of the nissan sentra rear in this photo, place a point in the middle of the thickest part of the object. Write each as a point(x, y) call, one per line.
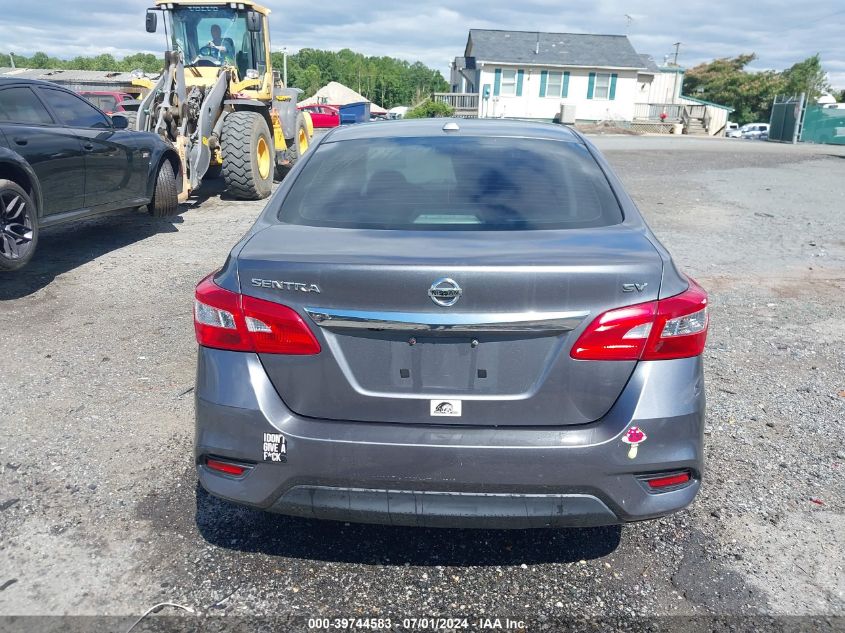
point(452, 323)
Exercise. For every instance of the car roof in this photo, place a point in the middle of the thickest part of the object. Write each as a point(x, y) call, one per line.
point(469, 127)
point(8, 81)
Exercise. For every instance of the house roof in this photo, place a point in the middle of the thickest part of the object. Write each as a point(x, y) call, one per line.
point(649, 64)
point(555, 49)
point(61, 75)
point(334, 93)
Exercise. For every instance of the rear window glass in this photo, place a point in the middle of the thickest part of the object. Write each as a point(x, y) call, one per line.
point(20, 105)
point(106, 103)
point(451, 183)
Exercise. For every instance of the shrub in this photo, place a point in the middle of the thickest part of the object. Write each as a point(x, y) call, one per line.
point(430, 110)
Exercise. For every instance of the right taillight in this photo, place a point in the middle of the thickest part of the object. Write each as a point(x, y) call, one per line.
point(228, 320)
point(657, 330)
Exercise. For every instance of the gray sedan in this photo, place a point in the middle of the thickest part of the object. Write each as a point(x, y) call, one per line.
point(452, 323)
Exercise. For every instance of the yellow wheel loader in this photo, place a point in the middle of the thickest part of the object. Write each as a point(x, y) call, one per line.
point(218, 99)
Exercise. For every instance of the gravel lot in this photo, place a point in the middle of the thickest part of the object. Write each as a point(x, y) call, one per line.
point(99, 511)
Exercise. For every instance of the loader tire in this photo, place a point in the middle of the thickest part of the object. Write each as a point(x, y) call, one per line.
point(298, 145)
point(248, 155)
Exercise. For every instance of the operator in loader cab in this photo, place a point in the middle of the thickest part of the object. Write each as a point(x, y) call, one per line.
point(225, 46)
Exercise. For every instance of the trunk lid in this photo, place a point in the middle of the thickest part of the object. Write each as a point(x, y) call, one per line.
point(499, 354)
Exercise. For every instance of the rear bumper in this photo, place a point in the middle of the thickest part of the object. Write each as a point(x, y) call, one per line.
point(450, 476)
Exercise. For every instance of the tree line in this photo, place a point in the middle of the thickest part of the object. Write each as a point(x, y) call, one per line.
point(386, 81)
point(145, 61)
point(727, 81)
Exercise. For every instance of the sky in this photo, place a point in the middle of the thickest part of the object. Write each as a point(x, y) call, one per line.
point(780, 32)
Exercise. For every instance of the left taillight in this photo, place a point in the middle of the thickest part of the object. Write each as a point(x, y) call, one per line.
point(675, 327)
point(228, 320)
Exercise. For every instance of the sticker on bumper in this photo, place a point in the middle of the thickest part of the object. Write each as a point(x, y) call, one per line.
point(634, 437)
point(275, 447)
point(446, 408)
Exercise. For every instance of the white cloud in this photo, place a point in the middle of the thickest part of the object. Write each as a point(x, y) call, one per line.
point(781, 32)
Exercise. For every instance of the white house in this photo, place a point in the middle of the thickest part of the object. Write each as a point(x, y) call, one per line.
point(529, 74)
point(579, 77)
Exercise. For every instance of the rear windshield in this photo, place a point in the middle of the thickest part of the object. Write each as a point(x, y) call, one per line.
point(451, 183)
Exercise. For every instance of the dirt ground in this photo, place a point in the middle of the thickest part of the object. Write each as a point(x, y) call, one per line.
point(100, 514)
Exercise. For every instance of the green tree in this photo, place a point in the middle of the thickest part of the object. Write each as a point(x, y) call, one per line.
point(143, 61)
point(751, 94)
point(39, 60)
point(310, 80)
point(726, 81)
point(104, 62)
point(808, 77)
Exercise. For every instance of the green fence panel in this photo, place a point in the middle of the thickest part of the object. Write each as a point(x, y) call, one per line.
point(776, 123)
point(782, 121)
point(824, 125)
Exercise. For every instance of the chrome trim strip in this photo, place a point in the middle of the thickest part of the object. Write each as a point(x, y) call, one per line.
point(454, 323)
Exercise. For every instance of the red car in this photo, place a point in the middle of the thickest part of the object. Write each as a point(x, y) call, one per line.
point(108, 102)
point(323, 115)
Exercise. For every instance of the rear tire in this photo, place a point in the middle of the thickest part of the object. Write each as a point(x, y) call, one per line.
point(165, 199)
point(18, 227)
point(248, 155)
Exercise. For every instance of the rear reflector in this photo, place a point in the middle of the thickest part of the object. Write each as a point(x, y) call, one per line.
point(225, 467)
point(228, 320)
point(667, 481)
point(657, 330)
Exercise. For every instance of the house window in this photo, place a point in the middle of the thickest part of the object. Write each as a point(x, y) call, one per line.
point(554, 85)
point(602, 87)
point(508, 82)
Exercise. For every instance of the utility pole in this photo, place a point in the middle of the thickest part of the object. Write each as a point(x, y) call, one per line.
point(677, 91)
point(285, 66)
point(12, 58)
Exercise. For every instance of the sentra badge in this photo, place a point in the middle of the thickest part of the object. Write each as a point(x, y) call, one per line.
point(285, 285)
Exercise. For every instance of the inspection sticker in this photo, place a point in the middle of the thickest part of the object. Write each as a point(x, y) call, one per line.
point(275, 447)
point(446, 408)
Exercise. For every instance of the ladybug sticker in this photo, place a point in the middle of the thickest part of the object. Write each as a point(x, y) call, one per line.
point(635, 436)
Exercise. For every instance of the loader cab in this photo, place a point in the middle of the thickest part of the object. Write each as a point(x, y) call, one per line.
point(211, 36)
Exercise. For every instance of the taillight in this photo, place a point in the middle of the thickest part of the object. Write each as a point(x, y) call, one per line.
point(657, 330)
point(228, 320)
point(226, 467)
point(666, 481)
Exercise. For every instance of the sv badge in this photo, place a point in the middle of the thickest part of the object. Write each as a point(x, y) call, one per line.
point(633, 287)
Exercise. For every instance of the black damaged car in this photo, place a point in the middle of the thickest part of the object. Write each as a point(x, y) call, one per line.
point(62, 159)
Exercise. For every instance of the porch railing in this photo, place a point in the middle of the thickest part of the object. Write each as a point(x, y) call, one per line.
point(652, 111)
point(460, 101)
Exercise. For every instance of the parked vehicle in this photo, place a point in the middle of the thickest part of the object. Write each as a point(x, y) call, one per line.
point(398, 112)
point(62, 159)
point(419, 330)
point(323, 116)
point(326, 116)
point(759, 131)
point(110, 101)
point(732, 130)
